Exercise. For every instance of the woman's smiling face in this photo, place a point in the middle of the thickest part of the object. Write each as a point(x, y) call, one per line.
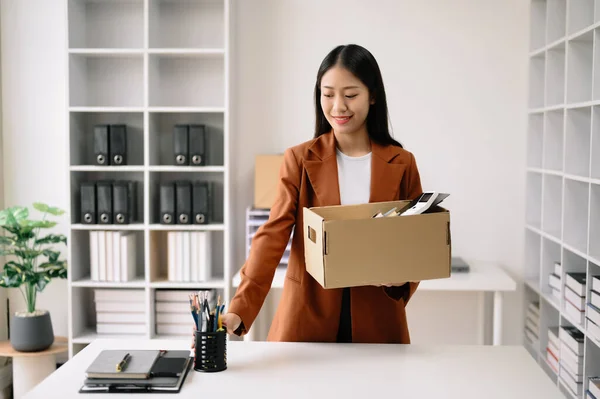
point(345, 101)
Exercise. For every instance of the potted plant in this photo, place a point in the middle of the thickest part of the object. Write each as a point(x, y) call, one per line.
point(31, 263)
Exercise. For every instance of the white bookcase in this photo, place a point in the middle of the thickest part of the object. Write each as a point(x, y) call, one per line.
point(563, 168)
point(149, 64)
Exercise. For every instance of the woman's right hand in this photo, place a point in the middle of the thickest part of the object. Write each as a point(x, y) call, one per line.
point(232, 321)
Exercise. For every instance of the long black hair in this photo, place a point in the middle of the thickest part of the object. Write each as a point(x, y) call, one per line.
point(360, 62)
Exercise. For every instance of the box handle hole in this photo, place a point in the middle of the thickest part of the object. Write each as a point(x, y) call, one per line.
point(312, 234)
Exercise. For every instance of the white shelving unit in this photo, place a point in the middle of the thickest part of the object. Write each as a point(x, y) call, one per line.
point(148, 64)
point(256, 218)
point(563, 167)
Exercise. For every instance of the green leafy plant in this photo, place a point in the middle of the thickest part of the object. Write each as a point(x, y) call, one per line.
point(32, 260)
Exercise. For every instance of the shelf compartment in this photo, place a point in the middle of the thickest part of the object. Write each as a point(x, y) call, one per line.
point(215, 180)
point(534, 199)
point(77, 178)
point(535, 141)
point(181, 241)
point(581, 15)
point(537, 69)
point(579, 67)
point(187, 24)
point(576, 214)
point(98, 80)
point(88, 243)
point(594, 242)
point(106, 24)
point(186, 81)
point(595, 163)
point(578, 136)
point(555, 71)
point(552, 208)
point(86, 309)
point(556, 22)
point(161, 136)
point(532, 256)
point(537, 16)
point(82, 136)
point(553, 140)
point(550, 255)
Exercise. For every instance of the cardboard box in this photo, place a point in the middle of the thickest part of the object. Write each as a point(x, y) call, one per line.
point(266, 178)
point(344, 246)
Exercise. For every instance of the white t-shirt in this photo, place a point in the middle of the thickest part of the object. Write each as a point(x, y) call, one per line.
point(354, 177)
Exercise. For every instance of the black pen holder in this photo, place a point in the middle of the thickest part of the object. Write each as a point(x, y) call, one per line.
point(210, 351)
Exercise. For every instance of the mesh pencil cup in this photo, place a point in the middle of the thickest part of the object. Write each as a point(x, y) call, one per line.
point(211, 351)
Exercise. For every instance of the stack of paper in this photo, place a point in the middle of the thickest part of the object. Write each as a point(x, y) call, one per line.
point(593, 311)
point(555, 280)
point(553, 349)
point(532, 324)
point(575, 296)
point(120, 311)
point(571, 358)
point(112, 256)
point(189, 256)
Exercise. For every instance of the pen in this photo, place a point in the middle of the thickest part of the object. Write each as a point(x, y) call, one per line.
point(122, 363)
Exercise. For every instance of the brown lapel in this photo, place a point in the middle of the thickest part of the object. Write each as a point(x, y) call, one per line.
point(323, 173)
point(385, 176)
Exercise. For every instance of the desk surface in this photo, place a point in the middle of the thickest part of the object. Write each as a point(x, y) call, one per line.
point(483, 276)
point(300, 370)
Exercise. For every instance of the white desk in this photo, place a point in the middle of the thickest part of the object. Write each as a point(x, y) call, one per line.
point(300, 370)
point(483, 277)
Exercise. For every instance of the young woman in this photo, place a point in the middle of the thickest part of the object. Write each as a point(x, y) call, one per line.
point(352, 159)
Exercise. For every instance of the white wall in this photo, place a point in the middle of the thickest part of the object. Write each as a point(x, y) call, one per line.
point(34, 122)
point(455, 75)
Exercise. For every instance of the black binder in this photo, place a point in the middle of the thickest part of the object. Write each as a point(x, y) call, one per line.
point(124, 209)
point(183, 201)
point(105, 208)
point(118, 145)
point(88, 202)
point(201, 203)
point(167, 203)
point(197, 145)
point(101, 148)
point(180, 145)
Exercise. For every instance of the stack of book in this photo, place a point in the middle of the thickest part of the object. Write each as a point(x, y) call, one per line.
point(189, 256)
point(571, 358)
point(555, 280)
point(553, 349)
point(112, 256)
point(532, 324)
point(593, 391)
point(173, 313)
point(593, 310)
point(120, 311)
point(575, 296)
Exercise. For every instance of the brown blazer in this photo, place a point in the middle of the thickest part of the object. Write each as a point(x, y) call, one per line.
point(307, 312)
